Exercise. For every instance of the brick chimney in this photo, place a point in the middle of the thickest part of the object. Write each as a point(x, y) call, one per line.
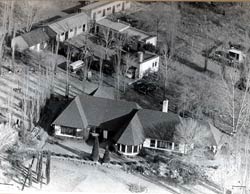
point(165, 106)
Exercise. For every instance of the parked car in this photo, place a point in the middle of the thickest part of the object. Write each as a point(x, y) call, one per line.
point(75, 66)
point(143, 87)
point(131, 73)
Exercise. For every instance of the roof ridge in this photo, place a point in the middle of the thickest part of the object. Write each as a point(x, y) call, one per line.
point(81, 111)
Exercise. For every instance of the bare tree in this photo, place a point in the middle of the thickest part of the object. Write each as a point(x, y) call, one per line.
point(120, 41)
point(192, 133)
point(233, 106)
point(67, 93)
point(129, 61)
point(8, 137)
point(30, 10)
point(108, 37)
point(168, 45)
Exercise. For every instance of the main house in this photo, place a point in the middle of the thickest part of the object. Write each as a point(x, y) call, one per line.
point(101, 9)
point(124, 124)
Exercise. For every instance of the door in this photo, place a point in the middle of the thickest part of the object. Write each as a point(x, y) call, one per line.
point(66, 35)
point(104, 12)
point(113, 10)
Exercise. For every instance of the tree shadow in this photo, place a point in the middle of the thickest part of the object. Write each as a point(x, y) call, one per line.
point(80, 153)
point(21, 172)
point(191, 65)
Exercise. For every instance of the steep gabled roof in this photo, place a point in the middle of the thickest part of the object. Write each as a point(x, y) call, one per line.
point(133, 133)
point(100, 110)
point(35, 36)
point(103, 92)
point(69, 22)
point(154, 121)
point(73, 116)
point(87, 110)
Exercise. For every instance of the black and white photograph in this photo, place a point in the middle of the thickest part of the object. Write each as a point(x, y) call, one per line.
point(125, 96)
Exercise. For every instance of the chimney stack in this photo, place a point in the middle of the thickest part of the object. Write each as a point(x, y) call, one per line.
point(140, 56)
point(165, 106)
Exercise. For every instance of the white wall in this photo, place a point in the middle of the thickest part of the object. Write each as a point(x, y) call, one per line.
point(72, 32)
point(146, 143)
point(80, 29)
point(182, 148)
point(139, 147)
point(58, 132)
point(109, 12)
point(148, 66)
point(76, 31)
point(151, 40)
point(36, 47)
point(61, 37)
point(57, 129)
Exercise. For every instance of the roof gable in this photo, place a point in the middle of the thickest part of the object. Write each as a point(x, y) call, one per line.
point(100, 110)
point(72, 117)
point(133, 133)
point(35, 37)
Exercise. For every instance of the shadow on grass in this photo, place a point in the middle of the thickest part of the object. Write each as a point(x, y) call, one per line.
point(193, 65)
point(20, 174)
point(80, 153)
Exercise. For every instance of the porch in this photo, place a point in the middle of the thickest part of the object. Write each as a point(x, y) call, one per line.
point(165, 146)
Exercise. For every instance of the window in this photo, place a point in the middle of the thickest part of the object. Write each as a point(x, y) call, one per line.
point(99, 12)
point(68, 131)
point(135, 149)
point(123, 148)
point(62, 34)
point(155, 63)
point(79, 27)
point(160, 144)
point(176, 146)
point(129, 148)
point(83, 28)
point(71, 30)
point(109, 8)
point(118, 5)
point(118, 147)
point(152, 143)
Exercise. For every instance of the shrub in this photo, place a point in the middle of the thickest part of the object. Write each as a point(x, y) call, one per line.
point(137, 188)
point(149, 47)
point(140, 169)
point(47, 171)
point(95, 150)
point(106, 156)
point(183, 173)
